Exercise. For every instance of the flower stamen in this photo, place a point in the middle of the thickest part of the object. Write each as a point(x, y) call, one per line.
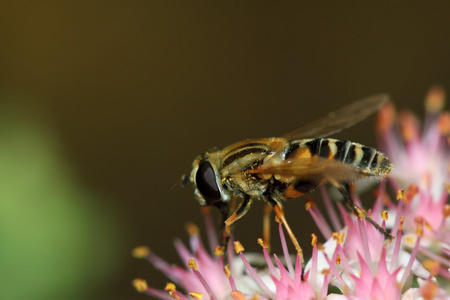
point(239, 250)
point(192, 264)
point(267, 258)
point(170, 287)
point(412, 258)
point(196, 295)
point(140, 285)
point(230, 278)
point(287, 257)
point(141, 252)
point(435, 100)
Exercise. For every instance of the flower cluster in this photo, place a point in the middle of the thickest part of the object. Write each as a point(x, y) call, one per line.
point(355, 261)
point(422, 177)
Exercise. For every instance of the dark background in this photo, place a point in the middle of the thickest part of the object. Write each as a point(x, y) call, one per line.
point(132, 91)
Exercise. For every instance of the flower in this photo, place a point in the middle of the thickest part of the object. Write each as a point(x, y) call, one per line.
point(362, 263)
point(420, 157)
point(332, 264)
point(206, 275)
point(421, 174)
point(203, 273)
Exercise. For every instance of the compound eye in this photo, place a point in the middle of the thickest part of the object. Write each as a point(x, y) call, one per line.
point(206, 183)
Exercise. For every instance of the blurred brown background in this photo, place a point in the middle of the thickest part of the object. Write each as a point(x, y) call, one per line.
point(125, 94)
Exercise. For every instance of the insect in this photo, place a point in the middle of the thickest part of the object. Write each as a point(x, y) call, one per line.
point(280, 168)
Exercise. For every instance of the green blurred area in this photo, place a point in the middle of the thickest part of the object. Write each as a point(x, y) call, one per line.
point(55, 238)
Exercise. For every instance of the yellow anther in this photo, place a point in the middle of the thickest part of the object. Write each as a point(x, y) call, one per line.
point(227, 270)
point(400, 194)
point(237, 295)
point(255, 297)
point(262, 243)
point(140, 252)
point(411, 192)
point(410, 240)
point(435, 99)
point(385, 118)
point(446, 210)
point(195, 295)
point(433, 266)
point(338, 237)
point(408, 126)
point(309, 203)
point(419, 230)
point(218, 251)
point(191, 228)
point(384, 215)
point(325, 271)
point(313, 240)
point(170, 287)
point(429, 290)
point(338, 259)
point(444, 124)
point(140, 285)
point(238, 247)
point(192, 264)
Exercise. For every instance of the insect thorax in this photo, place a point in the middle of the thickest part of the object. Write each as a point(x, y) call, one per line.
point(237, 159)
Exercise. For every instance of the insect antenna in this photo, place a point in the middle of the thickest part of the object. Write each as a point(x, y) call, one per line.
point(182, 181)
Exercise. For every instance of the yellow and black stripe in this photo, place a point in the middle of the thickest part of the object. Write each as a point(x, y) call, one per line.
point(366, 159)
point(242, 153)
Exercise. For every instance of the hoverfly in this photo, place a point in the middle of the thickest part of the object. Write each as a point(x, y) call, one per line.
point(280, 168)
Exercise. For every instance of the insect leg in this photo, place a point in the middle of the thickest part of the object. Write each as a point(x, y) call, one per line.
point(242, 209)
point(351, 207)
point(279, 212)
point(266, 224)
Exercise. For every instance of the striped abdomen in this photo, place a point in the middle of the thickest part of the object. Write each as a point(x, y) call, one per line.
point(366, 159)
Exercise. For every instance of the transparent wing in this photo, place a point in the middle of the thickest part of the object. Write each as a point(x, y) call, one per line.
point(315, 168)
point(340, 119)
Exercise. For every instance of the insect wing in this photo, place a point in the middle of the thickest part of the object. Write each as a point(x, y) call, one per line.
point(340, 119)
point(315, 168)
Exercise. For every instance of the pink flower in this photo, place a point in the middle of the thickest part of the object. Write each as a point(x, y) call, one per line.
point(421, 159)
point(368, 276)
point(363, 265)
point(290, 283)
point(206, 275)
point(377, 284)
point(202, 274)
